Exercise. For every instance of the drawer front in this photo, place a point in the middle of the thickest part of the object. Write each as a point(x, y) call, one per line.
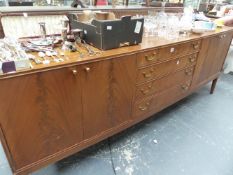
point(170, 96)
point(167, 53)
point(159, 70)
point(164, 83)
point(142, 107)
point(159, 101)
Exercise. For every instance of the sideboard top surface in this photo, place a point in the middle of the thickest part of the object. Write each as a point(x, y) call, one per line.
point(148, 43)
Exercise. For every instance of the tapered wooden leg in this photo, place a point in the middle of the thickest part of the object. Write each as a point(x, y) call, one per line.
point(214, 82)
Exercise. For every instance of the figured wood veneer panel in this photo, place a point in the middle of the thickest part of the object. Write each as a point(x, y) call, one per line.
point(55, 111)
point(108, 89)
point(40, 114)
point(123, 86)
point(211, 57)
point(96, 96)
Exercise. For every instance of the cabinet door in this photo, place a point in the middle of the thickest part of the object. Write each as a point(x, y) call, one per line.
point(40, 114)
point(123, 87)
point(96, 98)
point(212, 56)
point(108, 88)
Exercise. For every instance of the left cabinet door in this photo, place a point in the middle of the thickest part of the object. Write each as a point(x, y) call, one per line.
point(41, 114)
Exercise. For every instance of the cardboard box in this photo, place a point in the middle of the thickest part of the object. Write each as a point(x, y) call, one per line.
point(110, 34)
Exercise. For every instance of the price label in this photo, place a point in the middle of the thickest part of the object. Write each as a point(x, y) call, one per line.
point(172, 50)
point(22, 64)
point(138, 27)
point(109, 27)
point(25, 15)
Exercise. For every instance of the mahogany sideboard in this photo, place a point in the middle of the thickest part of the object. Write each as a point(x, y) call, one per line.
point(52, 111)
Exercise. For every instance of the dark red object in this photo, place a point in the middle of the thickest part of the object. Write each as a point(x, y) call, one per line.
point(8, 67)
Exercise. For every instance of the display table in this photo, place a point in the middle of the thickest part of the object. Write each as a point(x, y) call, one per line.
point(52, 111)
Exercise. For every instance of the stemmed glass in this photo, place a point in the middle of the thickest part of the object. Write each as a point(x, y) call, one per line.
point(173, 27)
point(162, 21)
point(186, 21)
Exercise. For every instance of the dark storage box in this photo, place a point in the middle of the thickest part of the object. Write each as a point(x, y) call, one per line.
point(109, 34)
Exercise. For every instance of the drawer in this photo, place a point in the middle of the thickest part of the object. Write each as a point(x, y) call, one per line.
point(159, 70)
point(143, 106)
point(164, 83)
point(167, 53)
point(161, 100)
point(170, 96)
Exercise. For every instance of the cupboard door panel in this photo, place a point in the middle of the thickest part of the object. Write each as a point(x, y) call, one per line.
point(211, 57)
point(95, 96)
point(224, 41)
point(123, 85)
point(40, 114)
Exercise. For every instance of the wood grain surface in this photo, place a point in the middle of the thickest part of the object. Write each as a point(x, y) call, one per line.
point(55, 110)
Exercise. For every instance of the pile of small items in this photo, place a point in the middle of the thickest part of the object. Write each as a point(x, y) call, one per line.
point(16, 54)
point(45, 46)
point(12, 56)
point(45, 49)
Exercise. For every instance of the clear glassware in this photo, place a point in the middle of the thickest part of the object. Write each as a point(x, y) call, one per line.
point(168, 25)
point(163, 6)
point(149, 26)
point(186, 21)
point(64, 23)
point(42, 30)
point(151, 13)
point(173, 27)
point(162, 20)
point(146, 26)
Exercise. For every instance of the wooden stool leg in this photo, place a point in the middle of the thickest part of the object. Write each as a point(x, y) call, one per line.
point(214, 82)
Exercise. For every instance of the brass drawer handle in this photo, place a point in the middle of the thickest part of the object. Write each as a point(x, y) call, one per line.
point(185, 87)
point(192, 59)
point(148, 75)
point(196, 46)
point(144, 108)
point(147, 90)
point(222, 36)
point(151, 57)
point(189, 71)
point(75, 72)
point(87, 69)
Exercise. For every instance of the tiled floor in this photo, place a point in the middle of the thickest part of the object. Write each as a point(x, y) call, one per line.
point(192, 137)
